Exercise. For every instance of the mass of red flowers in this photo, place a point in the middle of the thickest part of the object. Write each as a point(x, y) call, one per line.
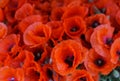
point(59, 40)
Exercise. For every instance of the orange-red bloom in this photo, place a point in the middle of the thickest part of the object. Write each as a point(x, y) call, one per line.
point(57, 29)
point(10, 74)
point(79, 75)
point(28, 21)
point(20, 60)
point(74, 26)
point(10, 44)
point(66, 56)
point(24, 11)
point(36, 34)
point(101, 39)
point(95, 63)
point(115, 50)
point(57, 13)
point(75, 11)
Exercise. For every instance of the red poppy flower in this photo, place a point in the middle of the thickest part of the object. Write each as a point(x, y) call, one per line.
point(33, 72)
point(74, 26)
point(79, 75)
point(101, 39)
point(20, 60)
point(14, 4)
point(28, 21)
point(24, 11)
point(10, 44)
point(40, 54)
point(96, 20)
point(66, 56)
point(57, 29)
point(57, 13)
point(114, 51)
point(10, 74)
point(3, 30)
point(96, 64)
point(110, 8)
point(75, 11)
point(36, 34)
point(9, 14)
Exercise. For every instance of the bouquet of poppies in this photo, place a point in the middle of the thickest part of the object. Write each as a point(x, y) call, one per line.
point(59, 40)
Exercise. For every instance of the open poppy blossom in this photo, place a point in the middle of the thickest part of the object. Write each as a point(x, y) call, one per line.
point(10, 74)
point(66, 56)
point(24, 11)
point(114, 51)
point(34, 72)
point(28, 21)
point(75, 11)
point(13, 5)
point(93, 22)
point(95, 63)
point(10, 44)
point(36, 34)
point(57, 13)
point(57, 29)
point(79, 75)
point(96, 20)
point(32, 75)
point(10, 15)
point(20, 60)
point(40, 54)
point(101, 39)
point(74, 26)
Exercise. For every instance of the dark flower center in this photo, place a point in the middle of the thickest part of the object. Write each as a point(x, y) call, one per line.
point(74, 29)
point(50, 43)
point(83, 79)
point(65, 37)
point(118, 52)
point(95, 24)
point(49, 74)
point(99, 62)
point(82, 37)
point(103, 10)
point(41, 34)
point(10, 47)
point(37, 73)
point(109, 41)
point(69, 60)
point(38, 54)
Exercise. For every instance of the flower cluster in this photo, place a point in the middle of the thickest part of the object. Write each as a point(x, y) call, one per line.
point(59, 40)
